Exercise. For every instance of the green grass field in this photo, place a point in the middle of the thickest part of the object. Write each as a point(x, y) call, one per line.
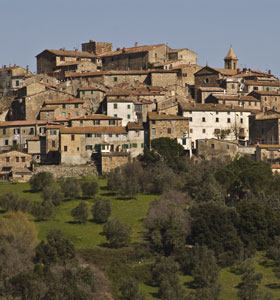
point(131, 212)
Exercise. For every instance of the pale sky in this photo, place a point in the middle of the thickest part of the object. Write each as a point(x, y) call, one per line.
point(208, 27)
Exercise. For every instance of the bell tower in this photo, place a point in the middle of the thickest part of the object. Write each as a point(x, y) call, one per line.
point(231, 60)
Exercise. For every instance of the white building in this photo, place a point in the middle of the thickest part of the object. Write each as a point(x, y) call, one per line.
point(209, 121)
point(121, 108)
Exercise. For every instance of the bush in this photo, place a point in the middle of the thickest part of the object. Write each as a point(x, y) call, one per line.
point(53, 195)
point(101, 210)
point(117, 234)
point(11, 201)
point(80, 213)
point(42, 211)
point(41, 180)
point(70, 187)
point(89, 188)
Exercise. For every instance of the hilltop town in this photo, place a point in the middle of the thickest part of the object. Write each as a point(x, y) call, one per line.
point(101, 107)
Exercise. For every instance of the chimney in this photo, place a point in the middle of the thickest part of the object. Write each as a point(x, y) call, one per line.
point(136, 44)
point(27, 69)
point(269, 72)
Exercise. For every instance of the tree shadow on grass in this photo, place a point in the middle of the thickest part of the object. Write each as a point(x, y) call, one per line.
point(125, 198)
point(268, 263)
point(106, 245)
point(75, 222)
point(109, 194)
point(273, 286)
point(190, 284)
point(31, 191)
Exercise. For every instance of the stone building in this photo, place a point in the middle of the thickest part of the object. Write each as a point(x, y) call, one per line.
point(53, 143)
point(231, 60)
point(205, 92)
point(185, 56)
point(18, 132)
point(95, 94)
point(269, 100)
point(97, 47)
point(262, 86)
point(208, 121)
point(79, 145)
point(112, 160)
point(49, 60)
point(12, 79)
point(264, 128)
point(15, 165)
point(171, 126)
point(249, 102)
point(53, 109)
point(97, 119)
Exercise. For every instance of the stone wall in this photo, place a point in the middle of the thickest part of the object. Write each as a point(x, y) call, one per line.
point(112, 160)
point(67, 170)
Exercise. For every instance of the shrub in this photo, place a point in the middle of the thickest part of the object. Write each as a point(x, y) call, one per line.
point(40, 180)
point(117, 234)
point(70, 187)
point(89, 188)
point(101, 210)
point(80, 213)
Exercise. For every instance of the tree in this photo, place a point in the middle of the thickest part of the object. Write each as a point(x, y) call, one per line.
point(168, 222)
point(117, 234)
point(130, 290)
point(71, 187)
point(11, 201)
point(89, 188)
point(80, 213)
point(52, 194)
point(40, 180)
point(205, 271)
point(57, 249)
point(101, 210)
point(42, 211)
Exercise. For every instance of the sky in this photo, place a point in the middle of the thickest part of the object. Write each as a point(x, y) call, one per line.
point(208, 27)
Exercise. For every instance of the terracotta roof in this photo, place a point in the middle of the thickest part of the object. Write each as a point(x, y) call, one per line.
point(69, 53)
point(262, 83)
point(156, 116)
point(9, 68)
point(275, 166)
point(121, 99)
point(54, 126)
point(91, 89)
point(69, 101)
point(22, 123)
point(266, 93)
point(93, 129)
point(214, 107)
point(34, 138)
point(144, 48)
point(211, 89)
point(231, 54)
point(234, 98)
point(49, 108)
point(134, 126)
point(264, 146)
point(227, 72)
point(95, 117)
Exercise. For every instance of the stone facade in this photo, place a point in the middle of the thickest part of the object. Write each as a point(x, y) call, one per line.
point(112, 160)
point(97, 119)
point(268, 99)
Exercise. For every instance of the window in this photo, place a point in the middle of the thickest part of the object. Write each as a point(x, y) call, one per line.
point(83, 92)
point(213, 146)
point(53, 143)
point(217, 112)
point(81, 121)
point(115, 79)
point(7, 159)
point(241, 120)
point(96, 122)
point(42, 129)
point(227, 147)
point(265, 99)
point(190, 119)
point(203, 130)
point(153, 122)
point(232, 86)
point(115, 115)
point(6, 142)
point(62, 58)
point(72, 137)
point(78, 148)
point(267, 89)
point(191, 131)
point(4, 131)
point(206, 80)
point(17, 131)
point(169, 130)
point(255, 88)
point(275, 99)
point(98, 135)
point(65, 148)
point(112, 122)
point(17, 159)
point(110, 135)
point(91, 92)
point(64, 114)
point(76, 105)
point(228, 112)
point(142, 145)
point(228, 120)
point(88, 135)
point(217, 120)
point(31, 131)
point(17, 82)
point(115, 105)
point(128, 117)
point(128, 106)
point(88, 147)
point(153, 131)
point(64, 106)
point(203, 119)
point(184, 141)
point(23, 159)
point(47, 113)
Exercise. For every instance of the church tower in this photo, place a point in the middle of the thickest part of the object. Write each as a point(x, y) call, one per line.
point(231, 60)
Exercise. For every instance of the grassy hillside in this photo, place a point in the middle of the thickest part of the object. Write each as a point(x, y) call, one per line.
point(87, 237)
